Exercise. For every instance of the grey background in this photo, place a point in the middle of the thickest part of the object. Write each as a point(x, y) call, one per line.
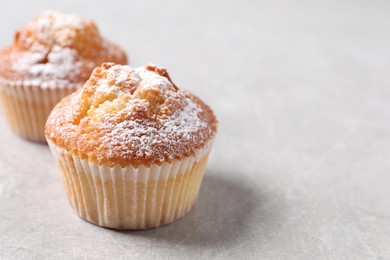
point(300, 168)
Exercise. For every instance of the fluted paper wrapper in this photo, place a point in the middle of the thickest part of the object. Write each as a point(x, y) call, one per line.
point(131, 198)
point(27, 106)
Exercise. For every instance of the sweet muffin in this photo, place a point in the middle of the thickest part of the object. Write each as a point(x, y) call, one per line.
point(51, 57)
point(131, 147)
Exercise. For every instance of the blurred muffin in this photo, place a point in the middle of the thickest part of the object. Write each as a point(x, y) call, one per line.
point(131, 147)
point(51, 57)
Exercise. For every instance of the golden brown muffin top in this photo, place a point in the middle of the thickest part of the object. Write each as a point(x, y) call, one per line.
point(131, 116)
point(57, 48)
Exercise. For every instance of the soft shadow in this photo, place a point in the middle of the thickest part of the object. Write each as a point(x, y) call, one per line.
point(222, 215)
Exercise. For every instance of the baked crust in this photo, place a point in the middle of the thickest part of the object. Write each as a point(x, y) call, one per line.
point(57, 48)
point(131, 116)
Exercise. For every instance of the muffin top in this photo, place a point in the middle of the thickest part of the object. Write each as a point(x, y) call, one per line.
point(131, 116)
point(55, 49)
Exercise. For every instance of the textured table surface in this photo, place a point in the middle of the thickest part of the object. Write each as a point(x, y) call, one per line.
point(301, 165)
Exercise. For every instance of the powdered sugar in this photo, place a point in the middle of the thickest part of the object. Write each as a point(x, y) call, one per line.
point(62, 20)
point(61, 63)
point(122, 76)
point(56, 28)
point(56, 49)
point(151, 131)
point(132, 115)
point(145, 138)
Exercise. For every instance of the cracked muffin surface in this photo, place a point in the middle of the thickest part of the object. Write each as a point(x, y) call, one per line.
point(57, 48)
point(131, 116)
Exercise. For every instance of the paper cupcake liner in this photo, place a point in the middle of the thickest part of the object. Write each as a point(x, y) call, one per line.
point(131, 198)
point(26, 106)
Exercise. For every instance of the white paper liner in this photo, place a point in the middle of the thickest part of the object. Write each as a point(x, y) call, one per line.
point(131, 198)
point(26, 107)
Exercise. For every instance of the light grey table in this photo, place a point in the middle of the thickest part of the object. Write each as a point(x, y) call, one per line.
point(301, 165)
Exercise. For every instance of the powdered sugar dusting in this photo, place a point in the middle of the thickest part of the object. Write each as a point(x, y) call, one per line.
point(132, 115)
point(54, 28)
point(183, 126)
point(57, 47)
point(70, 65)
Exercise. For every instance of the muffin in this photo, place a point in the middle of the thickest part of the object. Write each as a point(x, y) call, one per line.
point(50, 57)
point(131, 147)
